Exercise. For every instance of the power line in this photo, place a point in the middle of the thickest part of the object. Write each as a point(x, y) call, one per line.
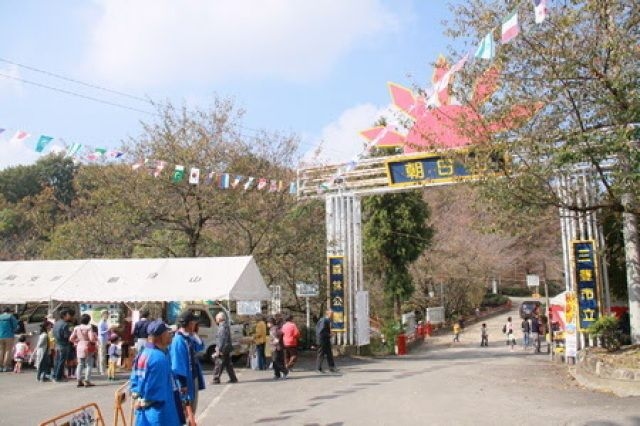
point(62, 77)
point(79, 95)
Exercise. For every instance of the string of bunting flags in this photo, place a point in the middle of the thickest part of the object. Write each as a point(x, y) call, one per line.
point(509, 30)
point(221, 180)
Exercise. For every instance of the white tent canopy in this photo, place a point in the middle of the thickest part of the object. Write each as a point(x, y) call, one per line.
point(132, 280)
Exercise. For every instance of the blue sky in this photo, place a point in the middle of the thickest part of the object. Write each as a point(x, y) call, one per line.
point(317, 69)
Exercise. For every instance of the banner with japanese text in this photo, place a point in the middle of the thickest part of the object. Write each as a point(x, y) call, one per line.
point(586, 282)
point(336, 292)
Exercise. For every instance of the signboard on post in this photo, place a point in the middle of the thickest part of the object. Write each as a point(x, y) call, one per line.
point(586, 276)
point(533, 280)
point(307, 290)
point(336, 292)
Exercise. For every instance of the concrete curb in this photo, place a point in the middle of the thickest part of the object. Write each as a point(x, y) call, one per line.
point(595, 374)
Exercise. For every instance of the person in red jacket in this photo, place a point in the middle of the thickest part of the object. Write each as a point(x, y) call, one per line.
point(290, 339)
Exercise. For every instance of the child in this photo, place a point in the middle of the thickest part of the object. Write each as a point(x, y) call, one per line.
point(20, 353)
point(456, 331)
point(484, 334)
point(114, 356)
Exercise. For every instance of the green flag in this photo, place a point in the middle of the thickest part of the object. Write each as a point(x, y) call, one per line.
point(178, 174)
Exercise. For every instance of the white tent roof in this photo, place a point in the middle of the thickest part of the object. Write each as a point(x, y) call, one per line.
point(34, 281)
point(134, 280)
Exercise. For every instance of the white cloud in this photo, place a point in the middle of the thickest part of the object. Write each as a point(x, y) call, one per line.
point(16, 153)
point(150, 42)
point(340, 140)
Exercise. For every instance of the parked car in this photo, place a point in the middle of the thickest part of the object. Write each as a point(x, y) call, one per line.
point(529, 308)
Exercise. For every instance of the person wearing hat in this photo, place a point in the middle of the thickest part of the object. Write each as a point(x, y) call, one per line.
point(222, 355)
point(152, 385)
point(185, 365)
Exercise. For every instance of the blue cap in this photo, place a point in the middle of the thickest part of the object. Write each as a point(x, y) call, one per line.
point(157, 327)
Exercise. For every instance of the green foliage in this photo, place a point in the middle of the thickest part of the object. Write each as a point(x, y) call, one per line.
point(492, 300)
point(390, 331)
point(606, 327)
point(395, 234)
point(515, 291)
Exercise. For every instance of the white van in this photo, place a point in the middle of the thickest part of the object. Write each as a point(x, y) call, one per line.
point(207, 330)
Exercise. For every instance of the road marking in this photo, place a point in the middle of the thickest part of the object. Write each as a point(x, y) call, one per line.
point(212, 404)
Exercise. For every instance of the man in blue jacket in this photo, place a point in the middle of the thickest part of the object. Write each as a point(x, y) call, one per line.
point(8, 326)
point(152, 385)
point(185, 366)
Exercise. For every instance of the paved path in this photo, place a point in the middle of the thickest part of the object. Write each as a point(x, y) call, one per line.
point(438, 384)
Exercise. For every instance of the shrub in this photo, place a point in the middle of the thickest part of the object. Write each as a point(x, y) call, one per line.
point(390, 331)
point(493, 300)
point(606, 327)
point(516, 291)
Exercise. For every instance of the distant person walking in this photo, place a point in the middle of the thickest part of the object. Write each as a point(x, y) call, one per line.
point(508, 330)
point(526, 333)
point(456, 331)
point(43, 353)
point(535, 332)
point(140, 333)
point(83, 336)
point(222, 355)
point(114, 356)
point(484, 335)
point(323, 337)
point(61, 332)
point(103, 341)
point(8, 326)
point(290, 336)
point(277, 348)
point(260, 340)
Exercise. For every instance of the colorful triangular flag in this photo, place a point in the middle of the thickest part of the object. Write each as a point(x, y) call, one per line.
point(194, 176)
point(74, 149)
point(249, 182)
point(510, 28)
point(540, 8)
point(224, 181)
point(487, 47)
point(236, 181)
point(160, 165)
point(115, 154)
point(262, 184)
point(209, 177)
point(178, 174)
point(100, 151)
point(20, 136)
point(43, 141)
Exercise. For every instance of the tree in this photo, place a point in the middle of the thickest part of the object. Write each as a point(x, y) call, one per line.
point(580, 71)
point(395, 234)
point(120, 212)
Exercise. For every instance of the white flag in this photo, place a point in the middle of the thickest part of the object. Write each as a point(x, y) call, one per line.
point(194, 176)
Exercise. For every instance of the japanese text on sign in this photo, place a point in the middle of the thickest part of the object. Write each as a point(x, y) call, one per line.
point(336, 292)
point(586, 275)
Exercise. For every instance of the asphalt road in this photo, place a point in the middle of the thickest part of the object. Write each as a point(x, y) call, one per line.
point(440, 383)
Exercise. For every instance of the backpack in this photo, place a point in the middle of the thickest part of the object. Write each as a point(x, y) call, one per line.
point(504, 329)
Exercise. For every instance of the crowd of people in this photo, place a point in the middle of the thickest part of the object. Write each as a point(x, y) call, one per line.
point(533, 331)
point(167, 376)
point(166, 373)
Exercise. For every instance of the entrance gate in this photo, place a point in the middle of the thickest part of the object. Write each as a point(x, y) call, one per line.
point(343, 185)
